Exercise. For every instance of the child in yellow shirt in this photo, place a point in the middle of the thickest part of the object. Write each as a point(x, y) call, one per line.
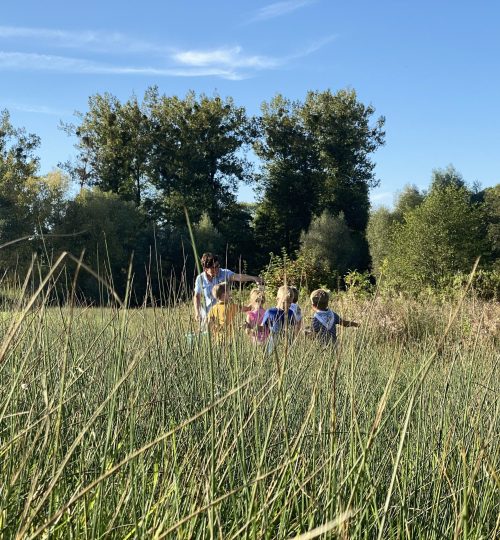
point(221, 316)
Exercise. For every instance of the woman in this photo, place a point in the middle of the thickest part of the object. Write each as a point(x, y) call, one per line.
point(212, 275)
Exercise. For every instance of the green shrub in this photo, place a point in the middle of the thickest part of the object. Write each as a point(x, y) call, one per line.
point(301, 272)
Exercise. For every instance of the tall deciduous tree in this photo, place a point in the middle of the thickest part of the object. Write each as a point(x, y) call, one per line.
point(408, 199)
point(114, 144)
point(447, 177)
point(378, 234)
point(30, 205)
point(330, 244)
point(18, 163)
point(492, 214)
point(345, 140)
point(441, 236)
point(109, 229)
point(317, 156)
point(197, 158)
point(291, 179)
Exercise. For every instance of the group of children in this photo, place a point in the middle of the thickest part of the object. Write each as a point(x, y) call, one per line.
point(265, 326)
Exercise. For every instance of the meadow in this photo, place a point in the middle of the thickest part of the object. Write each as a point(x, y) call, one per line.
point(118, 423)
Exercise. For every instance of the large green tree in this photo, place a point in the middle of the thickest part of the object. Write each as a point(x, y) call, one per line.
point(109, 230)
point(330, 244)
point(441, 236)
point(114, 145)
point(407, 199)
point(30, 205)
point(449, 176)
point(379, 234)
point(290, 182)
point(345, 136)
point(197, 159)
point(18, 163)
point(317, 156)
point(492, 218)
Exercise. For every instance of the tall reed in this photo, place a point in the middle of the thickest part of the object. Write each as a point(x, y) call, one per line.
point(114, 424)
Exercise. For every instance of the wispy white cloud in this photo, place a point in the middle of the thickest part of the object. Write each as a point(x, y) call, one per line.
point(64, 64)
point(234, 59)
point(228, 62)
point(230, 57)
point(311, 48)
point(278, 9)
point(90, 40)
point(37, 109)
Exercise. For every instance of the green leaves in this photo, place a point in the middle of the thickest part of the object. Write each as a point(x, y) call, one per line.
point(319, 153)
point(441, 236)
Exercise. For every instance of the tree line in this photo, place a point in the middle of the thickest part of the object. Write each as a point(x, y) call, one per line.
point(141, 164)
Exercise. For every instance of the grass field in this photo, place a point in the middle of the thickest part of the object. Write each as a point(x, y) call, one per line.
point(113, 424)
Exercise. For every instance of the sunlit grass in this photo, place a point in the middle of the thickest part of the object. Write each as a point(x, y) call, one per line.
point(106, 427)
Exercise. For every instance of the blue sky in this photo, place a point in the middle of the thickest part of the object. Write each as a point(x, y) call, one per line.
point(431, 68)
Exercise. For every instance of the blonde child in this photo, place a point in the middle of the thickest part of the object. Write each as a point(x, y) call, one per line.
point(325, 320)
point(254, 327)
point(277, 317)
point(221, 316)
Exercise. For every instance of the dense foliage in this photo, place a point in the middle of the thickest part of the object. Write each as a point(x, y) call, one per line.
point(432, 239)
point(140, 165)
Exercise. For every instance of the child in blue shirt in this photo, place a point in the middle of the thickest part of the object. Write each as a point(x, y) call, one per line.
point(281, 316)
point(325, 320)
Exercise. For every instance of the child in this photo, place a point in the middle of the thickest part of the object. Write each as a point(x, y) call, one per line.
point(253, 326)
point(294, 306)
point(274, 318)
point(325, 320)
point(221, 316)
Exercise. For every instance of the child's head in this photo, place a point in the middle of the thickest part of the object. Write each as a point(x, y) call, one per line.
point(319, 299)
point(284, 297)
point(295, 294)
point(257, 297)
point(222, 292)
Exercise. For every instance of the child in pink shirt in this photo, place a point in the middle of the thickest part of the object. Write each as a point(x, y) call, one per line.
point(254, 328)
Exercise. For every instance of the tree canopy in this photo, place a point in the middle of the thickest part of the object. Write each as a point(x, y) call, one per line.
point(318, 152)
point(141, 163)
point(442, 235)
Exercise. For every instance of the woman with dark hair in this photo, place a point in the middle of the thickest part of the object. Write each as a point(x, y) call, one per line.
point(212, 275)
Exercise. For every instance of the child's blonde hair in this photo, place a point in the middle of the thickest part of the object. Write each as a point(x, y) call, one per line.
point(257, 295)
point(320, 299)
point(284, 296)
point(220, 290)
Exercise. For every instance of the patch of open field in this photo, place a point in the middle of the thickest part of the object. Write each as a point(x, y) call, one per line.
point(114, 424)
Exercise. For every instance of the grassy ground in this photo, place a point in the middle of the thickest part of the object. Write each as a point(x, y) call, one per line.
point(114, 424)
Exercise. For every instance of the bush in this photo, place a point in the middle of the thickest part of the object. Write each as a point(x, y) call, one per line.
point(358, 283)
point(331, 244)
point(437, 239)
point(485, 284)
point(301, 272)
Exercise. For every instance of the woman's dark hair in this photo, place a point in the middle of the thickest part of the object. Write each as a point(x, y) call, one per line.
point(209, 260)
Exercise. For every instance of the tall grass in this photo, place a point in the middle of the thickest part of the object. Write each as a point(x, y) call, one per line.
point(112, 424)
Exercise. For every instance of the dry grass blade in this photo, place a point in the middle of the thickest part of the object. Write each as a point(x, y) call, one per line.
point(326, 528)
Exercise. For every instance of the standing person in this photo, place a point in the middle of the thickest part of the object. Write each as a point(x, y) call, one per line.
point(325, 320)
point(212, 275)
point(276, 319)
